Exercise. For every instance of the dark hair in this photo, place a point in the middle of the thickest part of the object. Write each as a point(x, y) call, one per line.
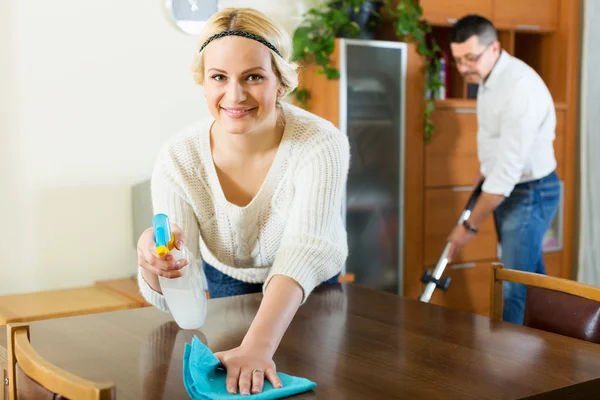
point(473, 25)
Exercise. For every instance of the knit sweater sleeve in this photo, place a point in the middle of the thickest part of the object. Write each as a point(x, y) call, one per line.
point(314, 244)
point(168, 197)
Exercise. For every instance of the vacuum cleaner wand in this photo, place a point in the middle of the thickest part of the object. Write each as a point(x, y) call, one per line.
point(434, 279)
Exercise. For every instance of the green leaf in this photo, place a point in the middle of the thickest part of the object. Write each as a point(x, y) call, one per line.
point(429, 107)
point(329, 44)
point(321, 59)
point(331, 73)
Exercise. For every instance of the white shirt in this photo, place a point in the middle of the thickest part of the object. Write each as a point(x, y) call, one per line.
point(517, 122)
point(293, 226)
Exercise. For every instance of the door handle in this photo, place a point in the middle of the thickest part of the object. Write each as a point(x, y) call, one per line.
point(463, 265)
point(462, 188)
point(528, 27)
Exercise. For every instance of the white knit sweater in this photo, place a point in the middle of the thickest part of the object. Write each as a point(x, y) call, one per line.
point(293, 226)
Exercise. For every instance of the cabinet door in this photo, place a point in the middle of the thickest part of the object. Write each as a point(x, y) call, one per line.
point(529, 15)
point(451, 156)
point(447, 12)
point(442, 210)
point(469, 289)
point(552, 262)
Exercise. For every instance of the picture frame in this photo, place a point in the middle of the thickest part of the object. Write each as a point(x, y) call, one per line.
point(553, 240)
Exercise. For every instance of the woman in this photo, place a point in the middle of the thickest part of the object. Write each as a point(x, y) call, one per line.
point(256, 190)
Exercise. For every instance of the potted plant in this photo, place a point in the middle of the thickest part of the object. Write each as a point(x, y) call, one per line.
point(314, 39)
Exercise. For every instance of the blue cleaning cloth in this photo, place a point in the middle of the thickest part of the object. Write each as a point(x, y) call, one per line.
point(205, 379)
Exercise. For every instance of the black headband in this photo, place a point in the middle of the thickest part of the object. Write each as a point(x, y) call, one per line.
point(243, 34)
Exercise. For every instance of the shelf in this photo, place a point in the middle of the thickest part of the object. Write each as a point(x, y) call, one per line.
point(456, 103)
point(560, 106)
point(472, 103)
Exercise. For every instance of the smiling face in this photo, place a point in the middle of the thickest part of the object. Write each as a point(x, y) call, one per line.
point(475, 60)
point(240, 84)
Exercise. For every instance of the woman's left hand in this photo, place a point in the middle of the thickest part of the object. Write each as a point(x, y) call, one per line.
point(247, 367)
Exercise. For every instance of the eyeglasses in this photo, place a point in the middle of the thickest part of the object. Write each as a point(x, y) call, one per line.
point(470, 59)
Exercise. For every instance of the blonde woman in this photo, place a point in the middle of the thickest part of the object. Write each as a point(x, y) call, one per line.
point(255, 190)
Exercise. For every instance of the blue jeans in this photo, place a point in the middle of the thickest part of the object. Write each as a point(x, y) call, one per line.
point(521, 223)
point(222, 285)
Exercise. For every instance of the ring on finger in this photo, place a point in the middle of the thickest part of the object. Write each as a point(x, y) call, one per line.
point(255, 370)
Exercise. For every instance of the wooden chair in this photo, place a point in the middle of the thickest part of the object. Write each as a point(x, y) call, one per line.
point(32, 377)
point(552, 304)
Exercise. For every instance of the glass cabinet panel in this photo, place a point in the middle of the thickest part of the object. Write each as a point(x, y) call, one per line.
point(372, 77)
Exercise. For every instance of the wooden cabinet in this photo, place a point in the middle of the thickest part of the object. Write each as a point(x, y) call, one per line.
point(469, 289)
point(438, 175)
point(447, 12)
point(451, 156)
point(382, 179)
point(552, 262)
point(442, 210)
point(545, 35)
point(528, 15)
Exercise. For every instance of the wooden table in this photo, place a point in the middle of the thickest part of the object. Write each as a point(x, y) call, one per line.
point(354, 342)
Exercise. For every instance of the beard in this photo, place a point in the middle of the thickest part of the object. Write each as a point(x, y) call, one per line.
point(471, 75)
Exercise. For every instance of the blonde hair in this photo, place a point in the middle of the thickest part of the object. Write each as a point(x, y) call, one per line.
point(254, 22)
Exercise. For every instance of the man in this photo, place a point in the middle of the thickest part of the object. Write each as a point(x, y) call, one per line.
point(516, 128)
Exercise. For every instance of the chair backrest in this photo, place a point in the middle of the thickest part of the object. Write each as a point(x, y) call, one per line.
point(552, 304)
point(26, 365)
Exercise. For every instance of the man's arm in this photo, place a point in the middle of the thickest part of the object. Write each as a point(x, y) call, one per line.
point(460, 236)
point(485, 205)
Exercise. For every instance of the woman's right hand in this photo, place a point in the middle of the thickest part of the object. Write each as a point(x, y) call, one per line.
point(165, 266)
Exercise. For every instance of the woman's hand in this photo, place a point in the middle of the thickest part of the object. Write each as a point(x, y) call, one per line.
point(252, 362)
point(165, 266)
point(247, 367)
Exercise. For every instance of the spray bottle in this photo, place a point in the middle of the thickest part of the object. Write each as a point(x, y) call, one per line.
point(187, 306)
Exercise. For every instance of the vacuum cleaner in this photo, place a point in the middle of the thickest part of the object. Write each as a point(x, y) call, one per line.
point(434, 279)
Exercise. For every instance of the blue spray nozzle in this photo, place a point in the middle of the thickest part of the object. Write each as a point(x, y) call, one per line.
point(163, 236)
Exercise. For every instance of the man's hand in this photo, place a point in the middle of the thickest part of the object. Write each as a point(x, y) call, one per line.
point(478, 179)
point(459, 237)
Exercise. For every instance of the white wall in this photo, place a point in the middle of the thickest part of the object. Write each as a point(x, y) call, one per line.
point(89, 90)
